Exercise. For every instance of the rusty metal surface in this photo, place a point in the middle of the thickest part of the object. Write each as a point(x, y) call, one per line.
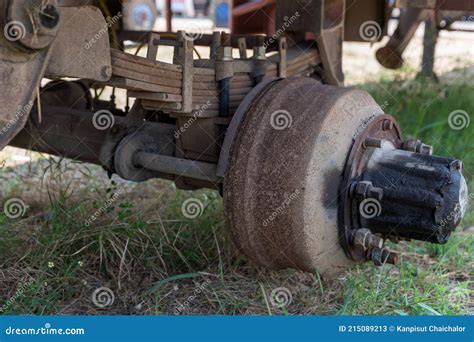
point(159, 84)
point(391, 55)
point(202, 39)
point(177, 166)
point(280, 191)
point(397, 190)
point(30, 25)
point(237, 119)
point(361, 12)
point(382, 127)
point(151, 138)
point(81, 51)
point(185, 59)
point(65, 132)
point(23, 59)
point(325, 19)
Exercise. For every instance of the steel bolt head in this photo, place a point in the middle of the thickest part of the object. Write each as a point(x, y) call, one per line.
point(364, 239)
point(361, 188)
point(389, 257)
point(410, 145)
point(376, 256)
point(414, 145)
point(382, 256)
point(425, 149)
point(365, 189)
point(376, 193)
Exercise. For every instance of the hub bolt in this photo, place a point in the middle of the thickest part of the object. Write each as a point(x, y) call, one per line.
point(417, 146)
point(365, 189)
point(364, 239)
point(373, 142)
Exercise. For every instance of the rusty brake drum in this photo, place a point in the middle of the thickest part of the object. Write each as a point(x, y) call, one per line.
point(281, 188)
point(308, 156)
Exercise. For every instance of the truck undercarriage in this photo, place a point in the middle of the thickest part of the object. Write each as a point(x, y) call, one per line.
point(314, 176)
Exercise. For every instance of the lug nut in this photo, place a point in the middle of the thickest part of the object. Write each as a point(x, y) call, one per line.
point(389, 257)
point(376, 256)
point(364, 239)
point(426, 149)
point(417, 146)
point(365, 189)
point(381, 256)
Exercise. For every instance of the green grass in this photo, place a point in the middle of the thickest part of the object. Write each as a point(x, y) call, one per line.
point(156, 260)
point(422, 108)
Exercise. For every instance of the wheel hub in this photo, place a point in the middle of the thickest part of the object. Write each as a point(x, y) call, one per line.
point(319, 177)
point(397, 190)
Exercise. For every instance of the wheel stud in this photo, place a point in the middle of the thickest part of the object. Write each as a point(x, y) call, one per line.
point(387, 125)
point(381, 256)
point(372, 142)
point(417, 146)
point(364, 239)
